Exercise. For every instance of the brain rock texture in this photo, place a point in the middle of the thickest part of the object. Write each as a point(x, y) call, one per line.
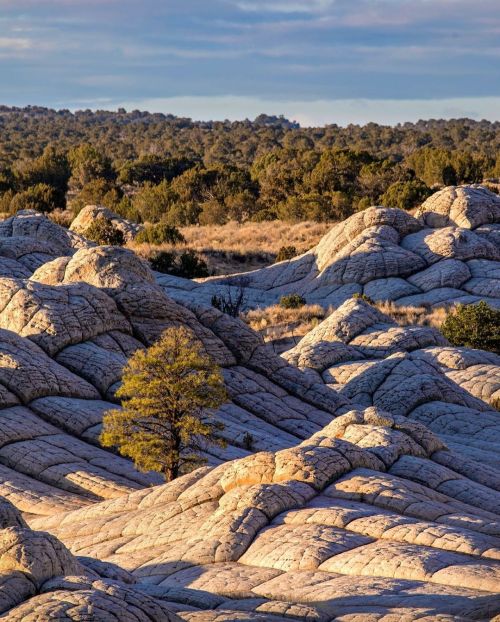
point(448, 254)
point(361, 479)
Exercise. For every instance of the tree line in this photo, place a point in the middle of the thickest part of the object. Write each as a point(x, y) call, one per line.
point(159, 168)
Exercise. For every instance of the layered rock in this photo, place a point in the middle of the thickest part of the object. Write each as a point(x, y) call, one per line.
point(449, 254)
point(408, 370)
point(65, 336)
point(462, 206)
point(40, 580)
point(361, 479)
point(367, 518)
point(29, 239)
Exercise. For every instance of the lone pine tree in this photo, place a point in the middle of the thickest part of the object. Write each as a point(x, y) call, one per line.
point(164, 423)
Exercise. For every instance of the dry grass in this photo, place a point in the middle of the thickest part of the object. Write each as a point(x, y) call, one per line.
point(255, 237)
point(64, 218)
point(414, 315)
point(284, 327)
point(239, 248)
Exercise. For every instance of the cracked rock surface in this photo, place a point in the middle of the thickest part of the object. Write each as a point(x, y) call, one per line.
point(410, 371)
point(448, 254)
point(370, 490)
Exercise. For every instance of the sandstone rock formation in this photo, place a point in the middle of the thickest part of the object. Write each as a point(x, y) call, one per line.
point(40, 580)
point(89, 213)
point(410, 371)
point(462, 206)
point(28, 240)
point(365, 520)
point(361, 481)
point(449, 254)
point(65, 335)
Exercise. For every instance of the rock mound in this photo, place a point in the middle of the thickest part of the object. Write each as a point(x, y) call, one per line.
point(450, 255)
point(40, 579)
point(363, 486)
point(90, 213)
point(65, 336)
point(462, 206)
point(363, 520)
point(411, 371)
point(29, 239)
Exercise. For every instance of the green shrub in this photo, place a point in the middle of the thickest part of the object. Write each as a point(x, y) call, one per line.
point(41, 197)
point(153, 202)
point(265, 215)
point(6, 200)
point(103, 232)
point(473, 326)
point(364, 297)
point(318, 207)
point(160, 233)
point(364, 203)
point(292, 301)
point(191, 265)
point(164, 262)
point(97, 191)
point(405, 194)
point(187, 265)
point(213, 213)
point(285, 253)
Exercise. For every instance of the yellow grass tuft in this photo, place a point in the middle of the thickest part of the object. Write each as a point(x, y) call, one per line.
point(414, 315)
point(242, 247)
point(284, 328)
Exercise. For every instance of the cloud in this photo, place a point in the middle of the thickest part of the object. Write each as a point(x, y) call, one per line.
point(15, 44)
point(284, 6)
point(259, 50)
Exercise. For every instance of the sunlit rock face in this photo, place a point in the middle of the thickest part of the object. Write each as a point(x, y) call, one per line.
point(372, 515)
point(449, 253)
point(66, 332)
point(370, 490)
point(462, 206)
point(90, 213)
point(410, 371)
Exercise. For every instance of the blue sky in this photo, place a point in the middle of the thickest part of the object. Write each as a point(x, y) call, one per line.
point(318, 61)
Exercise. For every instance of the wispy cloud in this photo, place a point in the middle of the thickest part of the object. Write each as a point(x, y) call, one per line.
point(262, 51)
point(15, 43)
point(284, 6)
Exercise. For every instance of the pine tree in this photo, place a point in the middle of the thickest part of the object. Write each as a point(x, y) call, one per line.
point(164, 423)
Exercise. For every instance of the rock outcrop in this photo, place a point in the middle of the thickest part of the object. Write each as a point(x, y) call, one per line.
point(361, 481)
point(410, 371)
point(366, 520)
point(89, 213)
point(462, 206)
point(65, 336)
point(40, 580)
point(449, 254)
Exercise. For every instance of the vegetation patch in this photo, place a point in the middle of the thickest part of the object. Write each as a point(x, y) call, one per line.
point(473, 326)
point(103, 232)
point(187, 264)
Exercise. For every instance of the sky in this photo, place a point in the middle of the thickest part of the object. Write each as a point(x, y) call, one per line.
point(315, 61)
